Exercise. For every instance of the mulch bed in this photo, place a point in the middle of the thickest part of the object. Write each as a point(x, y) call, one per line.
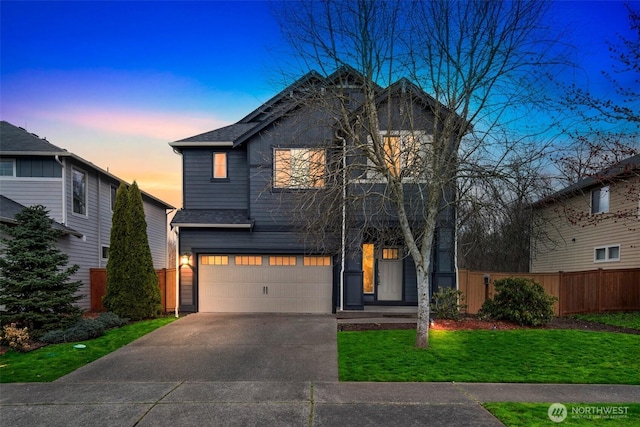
point(473, 323)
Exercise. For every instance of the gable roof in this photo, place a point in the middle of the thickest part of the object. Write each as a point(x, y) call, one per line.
point(9, 208)
point(16, 141)
point(285, 101)
point(218, 218)
point(627, 167)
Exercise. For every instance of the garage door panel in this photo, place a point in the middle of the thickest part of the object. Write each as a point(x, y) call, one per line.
point(265, 288)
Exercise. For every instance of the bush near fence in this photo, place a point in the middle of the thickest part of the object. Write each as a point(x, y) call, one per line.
point(166, 283)
point(591, 291)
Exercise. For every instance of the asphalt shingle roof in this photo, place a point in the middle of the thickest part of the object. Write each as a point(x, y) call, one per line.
point(213, 217)
point(16, 139)
point(224, 134)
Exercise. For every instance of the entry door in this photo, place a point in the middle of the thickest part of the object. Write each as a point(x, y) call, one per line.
point(389, 275)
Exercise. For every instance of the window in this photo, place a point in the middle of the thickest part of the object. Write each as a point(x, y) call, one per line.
point(404, 155)
point(7, 167)
point(219, 165)
point(390, 253)
point(298, 168)
point(600, 200)
point(215, 260)
point(114, 192)
point(312, 261)
point(105, 252)
point(79, 191)
point(607, 253)
point(282, 260)
point(248, 260)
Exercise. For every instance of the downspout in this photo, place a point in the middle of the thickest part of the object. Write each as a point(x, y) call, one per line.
point(177, 270)
point(64, 189)
point(343, 236)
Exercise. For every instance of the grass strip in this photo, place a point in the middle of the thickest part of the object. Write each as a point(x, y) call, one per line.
point(626, 320)
point(54, 361)
point(578, 414)
point(518, 356)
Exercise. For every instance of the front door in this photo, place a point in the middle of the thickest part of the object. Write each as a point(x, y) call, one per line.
point(389, 275)
point(382, 272)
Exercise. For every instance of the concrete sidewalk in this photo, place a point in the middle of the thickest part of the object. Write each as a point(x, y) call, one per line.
point(281, 403)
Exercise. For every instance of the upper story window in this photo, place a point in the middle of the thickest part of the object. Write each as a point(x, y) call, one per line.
point(79, 191)
point(404, 154)
point(220, 166)
point(600, 200)
point(298, 168)
point(7, 167)
point(114, 192)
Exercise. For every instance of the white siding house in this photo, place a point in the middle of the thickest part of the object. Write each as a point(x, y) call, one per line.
point(591, 225)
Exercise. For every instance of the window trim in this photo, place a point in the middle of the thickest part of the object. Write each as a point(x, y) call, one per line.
point(607, 256)
point(104, 248)
point(86, 193)
point(601, 190)
point(424, 141)
point(215, 178)
point(13, 168)
point(319, 182)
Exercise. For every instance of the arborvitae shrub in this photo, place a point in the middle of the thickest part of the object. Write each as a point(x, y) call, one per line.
point(519, 300)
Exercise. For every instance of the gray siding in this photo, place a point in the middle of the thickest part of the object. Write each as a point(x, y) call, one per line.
point(202, 192)
point(157, 233)
point(35, 191)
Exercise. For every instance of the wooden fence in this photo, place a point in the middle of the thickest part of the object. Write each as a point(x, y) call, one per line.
point(166, 282)
point(577, 292)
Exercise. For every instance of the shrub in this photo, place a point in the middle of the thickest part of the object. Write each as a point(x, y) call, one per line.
point(16, 338)
point(110, 320)
point(85, 329)
point(446, 304)
point(519, 300)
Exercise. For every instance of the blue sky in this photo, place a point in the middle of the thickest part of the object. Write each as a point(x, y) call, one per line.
point(115, 81)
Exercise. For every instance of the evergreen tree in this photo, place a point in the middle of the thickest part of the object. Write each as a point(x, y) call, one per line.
point(35, 286)
point(115, 298)
point(132, 283)
point(144, 280)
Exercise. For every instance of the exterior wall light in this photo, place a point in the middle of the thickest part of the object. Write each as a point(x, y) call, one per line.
point(185, 260)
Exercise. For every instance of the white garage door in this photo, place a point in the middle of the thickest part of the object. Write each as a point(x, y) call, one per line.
point(264, 284)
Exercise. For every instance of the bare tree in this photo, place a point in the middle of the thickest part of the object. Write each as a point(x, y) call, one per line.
point(473, 68)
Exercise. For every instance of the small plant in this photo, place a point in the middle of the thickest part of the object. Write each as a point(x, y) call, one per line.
point(519, 300)
point(446, 304)
point(17, 338)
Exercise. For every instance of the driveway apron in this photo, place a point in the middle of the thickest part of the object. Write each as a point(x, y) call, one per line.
point(225, 347)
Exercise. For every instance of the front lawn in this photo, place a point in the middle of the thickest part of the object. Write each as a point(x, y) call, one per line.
point(626, 320)
point(578, 414)
point(519, 356)
point(53, 361)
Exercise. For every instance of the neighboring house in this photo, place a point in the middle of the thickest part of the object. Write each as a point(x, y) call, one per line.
point(592, 224)
point(78, 195)
point(237, 229)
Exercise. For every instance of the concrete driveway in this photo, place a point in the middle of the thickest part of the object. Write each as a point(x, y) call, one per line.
point(225, 347)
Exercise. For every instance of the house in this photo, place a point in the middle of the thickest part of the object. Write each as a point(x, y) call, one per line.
point(592, 224)
point(244, 192)
point(78, 195)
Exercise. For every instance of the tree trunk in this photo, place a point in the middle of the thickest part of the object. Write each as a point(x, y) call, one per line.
point(422, 329)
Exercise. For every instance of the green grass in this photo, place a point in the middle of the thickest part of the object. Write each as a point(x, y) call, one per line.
point(627, 320)
point(53, 361)
point(524, 355)
point(535, 414)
